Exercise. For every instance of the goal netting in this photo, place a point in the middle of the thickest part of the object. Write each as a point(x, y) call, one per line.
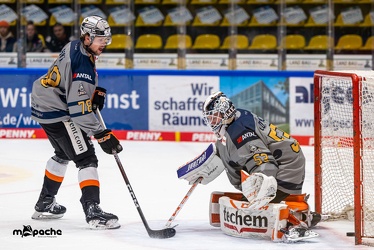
point(344, 148)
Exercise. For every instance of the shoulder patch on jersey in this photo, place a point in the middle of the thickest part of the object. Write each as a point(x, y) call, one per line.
point(81, 90)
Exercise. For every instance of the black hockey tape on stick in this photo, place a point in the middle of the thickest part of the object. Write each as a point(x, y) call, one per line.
point(159, 234)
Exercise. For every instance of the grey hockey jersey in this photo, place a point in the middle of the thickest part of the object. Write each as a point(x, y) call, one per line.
point(251, 144)
point(65, 91)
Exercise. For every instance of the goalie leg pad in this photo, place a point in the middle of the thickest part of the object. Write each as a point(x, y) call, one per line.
point(240, 221)
point(214, 218)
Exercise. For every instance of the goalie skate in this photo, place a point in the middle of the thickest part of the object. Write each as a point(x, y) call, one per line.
point(297, 234)
point(98, 219)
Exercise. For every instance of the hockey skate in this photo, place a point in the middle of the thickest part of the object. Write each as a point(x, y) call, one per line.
point(311, 218)
point(98, 219)
point(48, 208)
point(297, 233)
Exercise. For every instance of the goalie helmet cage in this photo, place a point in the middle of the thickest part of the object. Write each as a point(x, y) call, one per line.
point(344, 148)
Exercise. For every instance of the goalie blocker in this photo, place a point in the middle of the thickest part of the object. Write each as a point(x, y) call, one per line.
point(207, 165)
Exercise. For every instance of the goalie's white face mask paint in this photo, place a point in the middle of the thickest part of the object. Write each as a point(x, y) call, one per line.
point(218, 112)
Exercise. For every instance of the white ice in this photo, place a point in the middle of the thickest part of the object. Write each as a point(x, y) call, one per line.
point(151, 169)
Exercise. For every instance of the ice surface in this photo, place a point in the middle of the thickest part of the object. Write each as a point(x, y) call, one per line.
point(151, 169)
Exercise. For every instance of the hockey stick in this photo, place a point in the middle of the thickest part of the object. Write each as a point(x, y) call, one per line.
point(159, 234)
point(194, 185)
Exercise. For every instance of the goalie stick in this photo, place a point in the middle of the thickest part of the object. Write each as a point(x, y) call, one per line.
point(159, 234)
point(194, 185)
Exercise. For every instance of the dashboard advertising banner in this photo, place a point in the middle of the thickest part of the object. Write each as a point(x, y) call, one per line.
point(176, 102)
point(302, 112)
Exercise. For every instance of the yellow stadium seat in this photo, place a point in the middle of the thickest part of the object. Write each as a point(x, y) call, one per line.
point(90, 1)
point(110, 2)
point(263, 42)
point(230, 1)
point(259, 1)
point(367, 21)
point(311, 23)
point(226, 23)
point(320, 42)
point(140, 23)
point(60, 1)
point(207, 41)
point(169, 22)
point(349, 42)
point(254, 22)
point(178, 42)
point(120, 41)
point(314, 1)
point(35, 1)
point(292, 42)
point(290, 1)
point(24, 22)
point(369, 44)
point(203, 1)
point(235, 41)
point(344, 1)
point(149, 41)
point(174, 2)
point(197, 22)
point(339, 22)
point(41, 37)
point(112, 22)
point(147, 1)
point(53, 21)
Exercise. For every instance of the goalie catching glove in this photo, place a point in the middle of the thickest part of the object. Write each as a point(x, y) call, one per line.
point(208, 166)
point(258, 188)
point(108, 141)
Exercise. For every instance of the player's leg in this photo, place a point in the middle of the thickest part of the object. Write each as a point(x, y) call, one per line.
point(46, 207)
point(84, 157)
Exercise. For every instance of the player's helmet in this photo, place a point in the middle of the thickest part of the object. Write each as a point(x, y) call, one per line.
point(218, 110)
point(96, 26)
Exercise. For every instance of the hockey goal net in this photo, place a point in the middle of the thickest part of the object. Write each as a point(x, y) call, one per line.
point(344, 148)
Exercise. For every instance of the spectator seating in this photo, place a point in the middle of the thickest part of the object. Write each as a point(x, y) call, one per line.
point(293, 42)
point(237, 41)
point(207, 41)
point(178, 41)
point(349, 42)
point(120, 41)
point(263, 42)
point(149, 41)
point(320, 42)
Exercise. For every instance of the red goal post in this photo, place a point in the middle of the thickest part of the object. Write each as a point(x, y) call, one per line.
point(344, 148)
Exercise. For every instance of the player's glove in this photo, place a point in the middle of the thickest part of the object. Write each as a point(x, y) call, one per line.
point(108, 141)
point(98, 98)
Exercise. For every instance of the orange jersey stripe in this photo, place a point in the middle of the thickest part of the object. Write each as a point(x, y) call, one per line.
point(53, 177)
point(87, 183)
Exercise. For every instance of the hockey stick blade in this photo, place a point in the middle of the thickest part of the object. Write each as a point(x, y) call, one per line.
point(161, 234)
point(158, 234)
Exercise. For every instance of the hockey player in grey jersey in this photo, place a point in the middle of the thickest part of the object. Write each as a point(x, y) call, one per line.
point(63, 102)
point(263, 162)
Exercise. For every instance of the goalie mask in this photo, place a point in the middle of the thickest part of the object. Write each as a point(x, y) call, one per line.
point(96, 26)
point(218, 112)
